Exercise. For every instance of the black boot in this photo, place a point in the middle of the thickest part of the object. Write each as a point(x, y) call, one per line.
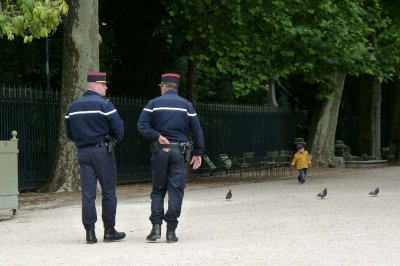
point(110, 234)
point(171, 237)
point(155, 233)
point(91, 236)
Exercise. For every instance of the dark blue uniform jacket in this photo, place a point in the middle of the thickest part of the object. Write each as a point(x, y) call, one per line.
point(172, 117)
point(90, 118)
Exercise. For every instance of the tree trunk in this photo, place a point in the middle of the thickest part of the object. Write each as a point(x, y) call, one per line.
point(271, 95)
point(321, 138)
point(394, 131)
point(80, 55)
point(369, 125)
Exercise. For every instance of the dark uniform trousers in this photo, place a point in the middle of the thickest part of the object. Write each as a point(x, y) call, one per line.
point(96, 163)
point(168, 172)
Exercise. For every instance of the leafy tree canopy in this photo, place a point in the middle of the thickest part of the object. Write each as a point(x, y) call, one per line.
point(252, 42)
point(30, 18)
point(323, 37)
point(388, 39)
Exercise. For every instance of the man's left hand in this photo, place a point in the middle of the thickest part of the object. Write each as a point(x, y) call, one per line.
point(196, 162)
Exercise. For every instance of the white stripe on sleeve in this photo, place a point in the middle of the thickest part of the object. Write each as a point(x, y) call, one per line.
point(90, 112)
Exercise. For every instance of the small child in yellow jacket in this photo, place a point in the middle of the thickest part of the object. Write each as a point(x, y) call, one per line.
point(302, 162)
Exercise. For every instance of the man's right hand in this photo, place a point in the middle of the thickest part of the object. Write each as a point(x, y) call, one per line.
point(196, 162)
point(163, 140)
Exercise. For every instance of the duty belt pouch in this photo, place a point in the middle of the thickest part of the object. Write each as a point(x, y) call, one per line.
point(110, 144)
point(110, 147)
point(186, 149)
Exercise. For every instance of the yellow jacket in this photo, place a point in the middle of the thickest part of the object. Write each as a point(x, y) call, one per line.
point(301, 160)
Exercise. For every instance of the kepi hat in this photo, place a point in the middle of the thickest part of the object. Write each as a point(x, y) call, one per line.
point(170, 78)
point(99, 77)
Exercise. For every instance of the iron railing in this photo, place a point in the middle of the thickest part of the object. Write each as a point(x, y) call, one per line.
point(230, 129)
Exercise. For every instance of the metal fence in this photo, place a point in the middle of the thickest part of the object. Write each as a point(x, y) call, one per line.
point(34, 114)
point(230, 129)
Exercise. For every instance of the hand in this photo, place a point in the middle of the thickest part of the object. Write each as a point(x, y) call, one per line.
point(196, 162)
point(163, 140)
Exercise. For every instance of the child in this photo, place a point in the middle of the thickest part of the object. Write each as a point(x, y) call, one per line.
point(302, 162)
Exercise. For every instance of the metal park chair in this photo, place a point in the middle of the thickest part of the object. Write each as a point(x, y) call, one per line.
point(226, 163)
point(210, 167)
point(284, 160)
point(231, 163)
point(249, 158)
point(271, 164)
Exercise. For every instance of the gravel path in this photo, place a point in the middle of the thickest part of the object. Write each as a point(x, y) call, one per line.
point(265, 223)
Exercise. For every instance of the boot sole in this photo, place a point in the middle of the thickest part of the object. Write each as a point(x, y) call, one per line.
point(153, 238)
point(172, 241)
point(112, 240)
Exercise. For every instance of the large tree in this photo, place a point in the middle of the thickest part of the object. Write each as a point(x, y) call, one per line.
point(30, 18)
point(328, 40)
point(252, 42)
point(80, 55)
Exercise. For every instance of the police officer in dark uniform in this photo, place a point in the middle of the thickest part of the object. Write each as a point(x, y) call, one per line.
point(92, 122)
point(166, 121)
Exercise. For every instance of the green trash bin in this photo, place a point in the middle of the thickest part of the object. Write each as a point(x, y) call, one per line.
point(9, 174)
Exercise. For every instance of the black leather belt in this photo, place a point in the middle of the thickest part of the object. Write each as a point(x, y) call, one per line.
point(156, 146)
point(182, 146)
point(97, 145)
point(171, 146)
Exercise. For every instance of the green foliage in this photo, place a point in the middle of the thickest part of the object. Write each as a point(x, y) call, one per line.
point(215, 35)
point(253, 42)
point(388, 39)
point(30, 18)
point(326, 37)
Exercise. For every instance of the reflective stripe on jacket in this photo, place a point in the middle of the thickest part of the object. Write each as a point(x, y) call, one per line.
point(90, 118)
point(172, 117)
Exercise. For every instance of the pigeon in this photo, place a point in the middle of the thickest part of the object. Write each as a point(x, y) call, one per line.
point(374, 192)
point(323, 193)
point(229, 195)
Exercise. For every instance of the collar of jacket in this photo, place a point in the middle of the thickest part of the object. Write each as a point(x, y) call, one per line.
point(171, 91)
point(89, 92)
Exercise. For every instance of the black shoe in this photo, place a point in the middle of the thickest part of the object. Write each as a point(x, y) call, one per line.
point(299, 178)
point(155, 233)
point(91, 236)
point(110, 234)
point(171, 237)
point(303, 180)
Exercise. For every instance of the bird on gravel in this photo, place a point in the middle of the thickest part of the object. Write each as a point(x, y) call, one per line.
point(374, 192)
point(323, 193)
point(229, 195)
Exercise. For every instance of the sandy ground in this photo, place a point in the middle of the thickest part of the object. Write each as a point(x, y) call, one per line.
point(266, 223)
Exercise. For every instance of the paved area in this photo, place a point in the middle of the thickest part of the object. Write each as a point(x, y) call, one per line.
point(265, 223)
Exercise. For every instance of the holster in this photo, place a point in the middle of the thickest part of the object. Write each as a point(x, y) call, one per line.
point(186, 149)
point(110, 144)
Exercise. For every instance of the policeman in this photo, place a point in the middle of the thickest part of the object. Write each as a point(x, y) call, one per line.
point(92, 122)
point(166, 121)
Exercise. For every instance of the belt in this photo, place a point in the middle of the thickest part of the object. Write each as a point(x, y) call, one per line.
point(97, 145)
point(182, 146)
point(171, 146)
